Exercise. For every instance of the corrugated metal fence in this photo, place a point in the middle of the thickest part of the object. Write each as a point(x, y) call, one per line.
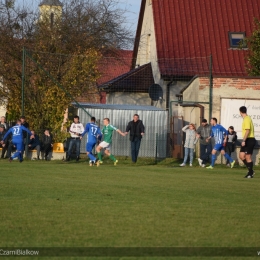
point(154, 142)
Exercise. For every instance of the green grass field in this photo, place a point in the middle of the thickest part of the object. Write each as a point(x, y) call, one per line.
point(69, 204)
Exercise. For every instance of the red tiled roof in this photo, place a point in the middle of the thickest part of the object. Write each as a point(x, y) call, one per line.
point(186, 29)
point(111, 66)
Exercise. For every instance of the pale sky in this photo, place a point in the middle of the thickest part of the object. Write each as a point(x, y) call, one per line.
point(133, 7)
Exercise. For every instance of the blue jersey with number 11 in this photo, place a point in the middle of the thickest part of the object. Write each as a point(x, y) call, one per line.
point(93, 131)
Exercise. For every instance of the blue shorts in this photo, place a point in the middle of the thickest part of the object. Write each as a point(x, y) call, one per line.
point(19, 146)
point(89, 147)
point(219, 147)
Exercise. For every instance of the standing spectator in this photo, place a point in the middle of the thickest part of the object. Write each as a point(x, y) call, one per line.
point(3, 122)
point(107, 132)
point(46, 143)
point(25, 124)
point(248, 142)
point(231, 141)
point(34, 143)
point(220, 135)
point(203, 132)
point(94, 134)
point(76, 129)
point(17, 139)
point(190, 141)
point(3, 146)
point(136, 129)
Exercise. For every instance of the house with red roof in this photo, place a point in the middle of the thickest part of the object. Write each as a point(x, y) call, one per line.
point(192, 50)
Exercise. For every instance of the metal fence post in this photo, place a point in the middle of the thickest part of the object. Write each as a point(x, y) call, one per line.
point(156, 147)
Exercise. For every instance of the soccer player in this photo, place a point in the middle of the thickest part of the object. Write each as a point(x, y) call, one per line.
point(17, 139)
point(248, 142)
point(220, 135)
point(94, 134)
point(107, 132)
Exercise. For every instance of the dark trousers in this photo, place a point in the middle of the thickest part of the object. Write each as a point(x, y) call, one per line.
point(46, 149)
point(37, 147)
point(74, 141)
point(205, 152)
point(229, 150)
point(135, 146)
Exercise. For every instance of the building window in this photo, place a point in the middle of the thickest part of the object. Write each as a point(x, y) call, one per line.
point(236, 39)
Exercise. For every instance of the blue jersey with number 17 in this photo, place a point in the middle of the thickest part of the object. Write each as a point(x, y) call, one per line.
point(93, 131)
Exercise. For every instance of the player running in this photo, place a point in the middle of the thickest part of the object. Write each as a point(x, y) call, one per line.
point(17, 139)
point(107, 132)
point(94, 134)
point(220, 135)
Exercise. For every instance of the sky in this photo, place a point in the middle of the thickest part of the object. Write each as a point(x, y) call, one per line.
point(133, 7)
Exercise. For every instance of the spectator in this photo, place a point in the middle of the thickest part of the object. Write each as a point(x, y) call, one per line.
point(3, 122)
point(136, 129)
point(34, 143)
point(3, 146)
point(230, 144)
point(25, 124)
point(76, 129)
point(190, 141)
point(203, 132)
point(46, 143)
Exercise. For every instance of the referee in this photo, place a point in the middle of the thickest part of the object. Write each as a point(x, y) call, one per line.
point(248, 142)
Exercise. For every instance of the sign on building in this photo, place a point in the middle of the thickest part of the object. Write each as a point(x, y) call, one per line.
point(230, 114)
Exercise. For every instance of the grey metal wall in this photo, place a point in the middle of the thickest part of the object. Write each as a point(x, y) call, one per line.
point(155, 123)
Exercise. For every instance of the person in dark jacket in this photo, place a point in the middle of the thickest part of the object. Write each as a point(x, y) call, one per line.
point(34, 143)
point(203, 132)
point(46, 143)
point(136, 129)
point(231, 141)
point(3, 146)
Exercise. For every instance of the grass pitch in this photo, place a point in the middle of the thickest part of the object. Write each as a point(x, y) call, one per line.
point(60, 204)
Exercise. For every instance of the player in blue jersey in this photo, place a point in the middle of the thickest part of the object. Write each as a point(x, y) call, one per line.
point(94, 134)
point(17, 139)
point(220, 135)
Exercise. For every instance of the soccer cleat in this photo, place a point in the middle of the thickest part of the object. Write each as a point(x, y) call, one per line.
point(115, 162)
point(190, 164)
point(91, 163)
point(183, 164)
point(249, 176)
point(210, 167)
point(200, 162)
point(98, 163)
point(10, 159)
point(232, 164)
point(203, 165)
